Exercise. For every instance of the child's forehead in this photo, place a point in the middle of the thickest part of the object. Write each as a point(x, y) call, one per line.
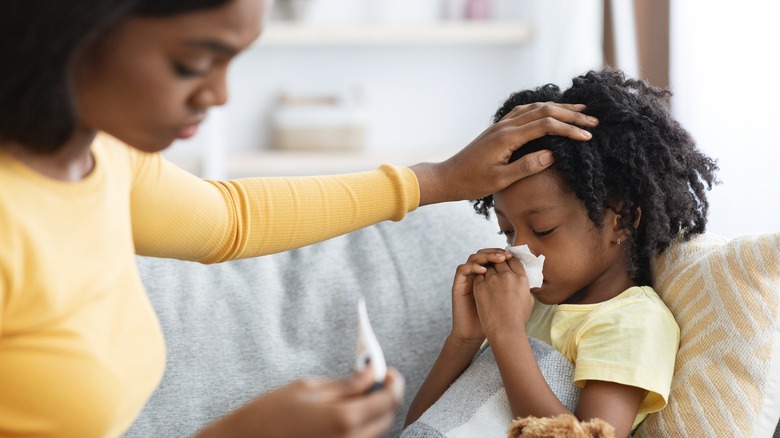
point(549, 180)
point(536, 194)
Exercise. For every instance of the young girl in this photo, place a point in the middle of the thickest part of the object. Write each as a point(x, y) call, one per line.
point(90, 92)
point(598, 215)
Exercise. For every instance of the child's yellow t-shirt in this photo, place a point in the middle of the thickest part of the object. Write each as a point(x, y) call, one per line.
point(631, 339)
point(80, 346)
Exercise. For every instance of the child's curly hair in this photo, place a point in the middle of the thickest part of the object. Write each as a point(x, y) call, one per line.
point(639, 160)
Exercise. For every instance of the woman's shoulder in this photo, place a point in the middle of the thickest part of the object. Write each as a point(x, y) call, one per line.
point(113, 147)
point(119, 157)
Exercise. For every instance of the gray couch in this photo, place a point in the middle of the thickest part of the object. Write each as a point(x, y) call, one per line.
point(238, 329)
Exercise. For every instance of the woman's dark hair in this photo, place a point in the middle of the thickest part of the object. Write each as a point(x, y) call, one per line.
point(39, 40)
point(639, 160)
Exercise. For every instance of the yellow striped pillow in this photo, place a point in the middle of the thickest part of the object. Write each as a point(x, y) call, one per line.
point(725, 296)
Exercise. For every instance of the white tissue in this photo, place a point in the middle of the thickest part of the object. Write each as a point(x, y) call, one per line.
point(531, 263)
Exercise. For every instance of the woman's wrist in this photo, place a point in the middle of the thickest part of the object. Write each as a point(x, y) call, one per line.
point(432, 183)
point(235, 423)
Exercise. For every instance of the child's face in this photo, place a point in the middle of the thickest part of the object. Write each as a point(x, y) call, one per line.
point(582, 262)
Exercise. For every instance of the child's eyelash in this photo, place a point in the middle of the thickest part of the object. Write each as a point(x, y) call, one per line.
point(536, 233)
point(186, 72)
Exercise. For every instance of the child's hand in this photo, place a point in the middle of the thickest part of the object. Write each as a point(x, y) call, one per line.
point(466, 324)
point(503, 298)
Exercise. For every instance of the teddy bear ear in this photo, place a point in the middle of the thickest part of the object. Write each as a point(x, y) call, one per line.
point(598, 428)
point(517, 426)
point(531, 426)
point(561, 426)
point(546, 427)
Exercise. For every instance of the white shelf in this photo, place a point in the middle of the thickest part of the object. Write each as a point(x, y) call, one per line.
point(289, 34)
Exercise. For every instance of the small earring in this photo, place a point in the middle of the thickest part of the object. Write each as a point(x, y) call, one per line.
point(619, 240)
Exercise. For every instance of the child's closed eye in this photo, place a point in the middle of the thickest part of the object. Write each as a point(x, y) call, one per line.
point(543, 233)
point(186, 72)
point(506, 232)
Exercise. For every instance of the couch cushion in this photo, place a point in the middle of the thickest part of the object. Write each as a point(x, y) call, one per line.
point(725, 296)
point(239, 329)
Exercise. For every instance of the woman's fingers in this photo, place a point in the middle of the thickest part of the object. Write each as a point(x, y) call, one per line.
point(532, 121)
point(485, 161)
point(535, 162)
point(374, 412)
point(569, 113)
point(355, 384)
point(531, 130)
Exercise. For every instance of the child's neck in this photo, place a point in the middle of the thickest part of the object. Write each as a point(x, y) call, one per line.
point(603, 289)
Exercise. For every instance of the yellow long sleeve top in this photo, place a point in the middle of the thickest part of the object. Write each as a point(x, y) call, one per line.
point(80, 346)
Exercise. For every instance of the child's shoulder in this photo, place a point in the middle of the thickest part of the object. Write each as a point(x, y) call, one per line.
point(640, 293)
point(643, 296)
point(638, 302)
point(633, 304)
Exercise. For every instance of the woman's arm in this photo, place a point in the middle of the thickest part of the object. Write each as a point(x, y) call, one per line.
point(175, 214)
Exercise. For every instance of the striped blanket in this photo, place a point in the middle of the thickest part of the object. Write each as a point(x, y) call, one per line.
point(476, 403)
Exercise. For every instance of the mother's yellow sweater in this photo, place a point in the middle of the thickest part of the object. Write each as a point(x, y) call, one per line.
point(80, 346)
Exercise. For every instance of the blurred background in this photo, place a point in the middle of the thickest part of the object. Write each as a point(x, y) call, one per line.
point(337, 86)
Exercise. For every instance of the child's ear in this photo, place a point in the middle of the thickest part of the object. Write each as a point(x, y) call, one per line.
point(638, 217)
point(617, 224)
point(615, 221)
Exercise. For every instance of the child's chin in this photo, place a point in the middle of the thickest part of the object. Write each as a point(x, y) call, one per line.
point(540, 295)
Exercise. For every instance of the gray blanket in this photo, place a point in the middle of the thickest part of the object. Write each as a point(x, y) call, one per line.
point(476, 403)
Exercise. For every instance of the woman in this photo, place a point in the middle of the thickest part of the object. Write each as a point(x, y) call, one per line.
point(91, 92)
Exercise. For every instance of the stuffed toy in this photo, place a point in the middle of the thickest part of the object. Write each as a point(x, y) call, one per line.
point(562, 426)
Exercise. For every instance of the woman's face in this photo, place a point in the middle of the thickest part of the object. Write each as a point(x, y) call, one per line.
point(582, 263)
point(152, 80)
